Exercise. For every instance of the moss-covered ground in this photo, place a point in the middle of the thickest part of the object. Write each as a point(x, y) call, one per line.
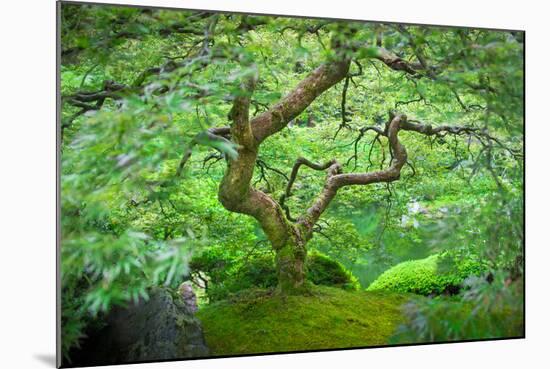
point(262, 322)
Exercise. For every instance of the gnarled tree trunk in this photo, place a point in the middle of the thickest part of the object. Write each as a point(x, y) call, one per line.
point(288, 236)
point(290, 262)
point(236, 193)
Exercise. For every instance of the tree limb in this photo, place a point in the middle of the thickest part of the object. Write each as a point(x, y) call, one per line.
point(336, 179)
point(288, 191)
point(235, 191)
point(290, 106)
point(395, 62)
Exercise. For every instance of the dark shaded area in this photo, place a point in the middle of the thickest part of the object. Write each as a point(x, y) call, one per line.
point(159, 329)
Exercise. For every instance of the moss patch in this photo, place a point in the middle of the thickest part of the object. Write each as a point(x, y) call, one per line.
point(328, 272)
point(424, 276)
point(328, 318)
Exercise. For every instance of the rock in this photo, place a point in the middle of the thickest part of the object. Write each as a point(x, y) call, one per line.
point(188, 296)
point(161, 328)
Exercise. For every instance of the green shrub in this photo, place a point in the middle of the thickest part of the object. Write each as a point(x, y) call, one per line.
point(256, 272)
point(323, 270)
point(425, 276)
point(228, 277)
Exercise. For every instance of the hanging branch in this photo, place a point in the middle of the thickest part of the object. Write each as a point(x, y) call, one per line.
point(355, 143)
point(345, 118)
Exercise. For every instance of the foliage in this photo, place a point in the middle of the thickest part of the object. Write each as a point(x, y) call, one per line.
point(330, 318)
point(99, 271)
point(425, 277)
point(228, 276)
point(140, 87)
point(486, 311)
point(325, 271)
point(488, 307)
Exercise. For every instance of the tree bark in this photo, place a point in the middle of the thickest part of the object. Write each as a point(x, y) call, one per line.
point(290, 262)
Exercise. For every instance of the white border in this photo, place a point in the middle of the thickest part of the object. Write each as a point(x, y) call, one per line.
point(27, 182)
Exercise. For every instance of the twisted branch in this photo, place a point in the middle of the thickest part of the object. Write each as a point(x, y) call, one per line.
point(294, 174)
point(336, 179)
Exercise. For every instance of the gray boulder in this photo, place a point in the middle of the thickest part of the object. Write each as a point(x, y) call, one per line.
point(162, 328)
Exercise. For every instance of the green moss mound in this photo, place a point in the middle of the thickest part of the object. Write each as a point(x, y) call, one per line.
point(435, 274)
point(261, 322)
point(260, 272)
point(322, 270)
